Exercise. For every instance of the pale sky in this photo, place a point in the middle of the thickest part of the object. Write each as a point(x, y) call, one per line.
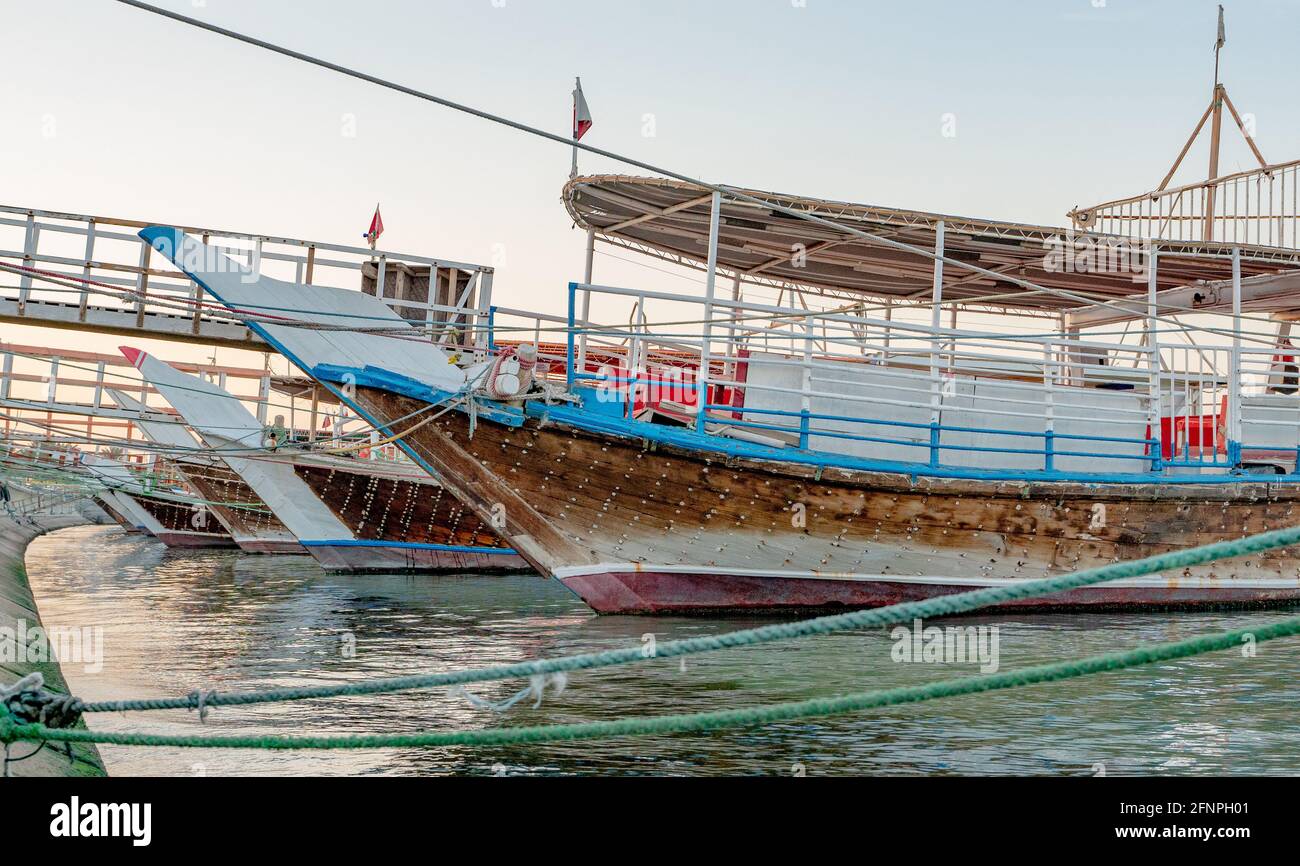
point(1056, 103)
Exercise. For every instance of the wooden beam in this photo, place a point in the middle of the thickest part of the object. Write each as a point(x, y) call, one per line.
point(1263, 163)
point(1196, 133)
point(1216, 137)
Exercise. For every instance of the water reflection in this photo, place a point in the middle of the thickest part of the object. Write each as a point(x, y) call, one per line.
point(178, 621)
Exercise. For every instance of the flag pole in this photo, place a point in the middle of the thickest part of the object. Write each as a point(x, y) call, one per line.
point(577, 84)
point(1216, 132)
point(1218, 46)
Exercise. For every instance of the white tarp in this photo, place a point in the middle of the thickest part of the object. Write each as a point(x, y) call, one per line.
point(399, 349)
point(167, 433)
point(235, 435)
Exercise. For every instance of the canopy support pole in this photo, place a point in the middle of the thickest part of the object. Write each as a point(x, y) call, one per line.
point(1233, 420)
point(936, 345)
point(710, 290)
point(732, 346)
point(1153, 349)
point(588, 272)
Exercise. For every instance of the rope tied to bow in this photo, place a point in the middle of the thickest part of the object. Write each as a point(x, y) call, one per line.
point(29, 702)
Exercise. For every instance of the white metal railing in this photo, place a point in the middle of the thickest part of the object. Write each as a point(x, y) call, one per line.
point(124, 276)
point(1252, 208)
point(861, 386)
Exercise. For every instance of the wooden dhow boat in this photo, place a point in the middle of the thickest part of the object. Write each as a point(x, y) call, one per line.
point(888, 405)
point(768, 454)
point(351, 515)
point(173, 516)
point(234, 504)
point(105, 500)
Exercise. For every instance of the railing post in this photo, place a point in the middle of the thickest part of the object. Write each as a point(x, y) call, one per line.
point(142, 283)
point(1049, 383)
point(570, 360)
point(588, 275)
point(485, 304)
point(1233, 421)
point(51, 394)
point(936, 346)
point(889, 329)
point(805, 410)
point(633, 365)
point(731, 328)
point(710, 288)
point(30, 243)
point(196, 323)
point(85, 269)
point(1154, 412)
point(6, 376)
point(453, 301)
point(263, 398)
point(315, 413)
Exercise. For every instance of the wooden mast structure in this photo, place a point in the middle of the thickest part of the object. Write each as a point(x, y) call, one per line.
point(1214, 115)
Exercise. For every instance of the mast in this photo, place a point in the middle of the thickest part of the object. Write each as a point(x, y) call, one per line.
point(1216, 131)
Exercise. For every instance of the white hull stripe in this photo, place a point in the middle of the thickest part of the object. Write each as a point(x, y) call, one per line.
point(927, 580)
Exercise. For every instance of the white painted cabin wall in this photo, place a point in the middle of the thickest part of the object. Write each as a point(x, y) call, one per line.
point(1270, 421)
point(966, 402)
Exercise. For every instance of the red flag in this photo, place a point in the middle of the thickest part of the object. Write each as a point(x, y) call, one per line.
point(376, 228)
point(581, 114)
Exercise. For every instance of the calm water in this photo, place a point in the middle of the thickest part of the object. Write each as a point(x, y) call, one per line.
point(174, 622)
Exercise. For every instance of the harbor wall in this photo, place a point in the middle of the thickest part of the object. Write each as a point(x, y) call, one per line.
point(18, 606)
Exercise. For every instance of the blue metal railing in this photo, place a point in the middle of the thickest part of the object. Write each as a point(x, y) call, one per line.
point(805, 425)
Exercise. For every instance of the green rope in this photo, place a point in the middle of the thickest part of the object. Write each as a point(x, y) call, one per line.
point(928, 609)
point(695, 722)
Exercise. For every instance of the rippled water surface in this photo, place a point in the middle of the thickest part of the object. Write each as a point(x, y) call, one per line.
point(176, 621)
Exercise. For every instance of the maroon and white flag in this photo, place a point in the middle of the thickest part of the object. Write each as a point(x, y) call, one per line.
point(376, 228)
point(581, 114)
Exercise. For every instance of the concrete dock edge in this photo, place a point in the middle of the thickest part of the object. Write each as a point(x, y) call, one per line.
point(18, 605)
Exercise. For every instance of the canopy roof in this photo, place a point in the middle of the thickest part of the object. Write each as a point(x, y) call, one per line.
point(670, 219)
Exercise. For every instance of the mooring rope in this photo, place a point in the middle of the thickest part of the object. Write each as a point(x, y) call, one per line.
point(879, 617)
point(684, 723)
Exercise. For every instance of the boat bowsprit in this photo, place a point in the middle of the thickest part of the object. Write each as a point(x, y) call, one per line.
point(351, 515)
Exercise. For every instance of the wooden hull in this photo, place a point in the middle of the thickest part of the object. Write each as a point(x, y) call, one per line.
point(631, 591)
point(379, 558)
point(263, 546)
point(401, 524)
point(182, 525)
point(195, 540)
point(253, 525)
point(117, 516)
point(634, 527)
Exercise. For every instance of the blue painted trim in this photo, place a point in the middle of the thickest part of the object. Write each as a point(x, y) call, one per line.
point(401, 545)
point(688, 439)
point(913, 425)
point(396, 383)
